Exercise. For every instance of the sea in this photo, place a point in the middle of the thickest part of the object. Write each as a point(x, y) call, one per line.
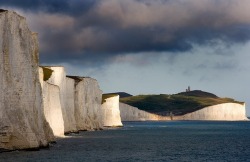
point(187, 141)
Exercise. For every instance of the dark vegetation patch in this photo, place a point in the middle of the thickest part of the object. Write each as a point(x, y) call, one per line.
point(177, 104)
point(105, 96)
point(121, 94)
point(46, 73)
point(198, 93)
point(2, 10)
point(76, 78)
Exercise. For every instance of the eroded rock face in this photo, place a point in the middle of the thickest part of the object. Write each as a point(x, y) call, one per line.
point(88, 98)
point(22, 121)
point(52, 108)
point(111, 112)
point(58, 78)
point(227, 111)
point(70, 104)
point(80, 101)
point(52, 105)
point(130, 113)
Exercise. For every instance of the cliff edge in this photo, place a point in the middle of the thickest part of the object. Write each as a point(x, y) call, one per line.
point(22, 121)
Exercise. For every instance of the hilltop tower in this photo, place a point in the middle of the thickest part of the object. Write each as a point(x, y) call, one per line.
point(188, 89)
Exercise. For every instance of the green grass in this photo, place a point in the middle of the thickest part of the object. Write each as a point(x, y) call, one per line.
point(121, 94)
point(178, 104)
point(47, 73)
point(105, 96)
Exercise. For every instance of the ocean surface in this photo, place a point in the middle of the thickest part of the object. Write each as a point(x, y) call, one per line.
point(149, 141)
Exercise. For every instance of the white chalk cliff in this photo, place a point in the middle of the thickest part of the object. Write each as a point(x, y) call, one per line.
point(223, 112)
point(22, 121)
point(226, 111)
point(80, 102)
point(110, 112)
point(130, 113)
point(88, 98)
point(58, 78)
point(70, 104)
point(52, 105)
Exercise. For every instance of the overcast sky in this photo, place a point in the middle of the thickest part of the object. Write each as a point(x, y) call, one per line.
point(146, 46)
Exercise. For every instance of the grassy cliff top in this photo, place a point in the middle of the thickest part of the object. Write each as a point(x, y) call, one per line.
point(121, 94)
point(76, 78)
point(46, 73)
point(105, 96)
point(2, 10)
point(178, 104)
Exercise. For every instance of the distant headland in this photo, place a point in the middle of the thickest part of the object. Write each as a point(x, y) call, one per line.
point(189, 105)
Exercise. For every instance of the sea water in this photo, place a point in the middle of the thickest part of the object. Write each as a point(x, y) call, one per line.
point(150, 141)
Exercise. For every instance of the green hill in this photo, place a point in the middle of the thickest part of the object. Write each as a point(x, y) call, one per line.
point(121, 94)
point(178, 104)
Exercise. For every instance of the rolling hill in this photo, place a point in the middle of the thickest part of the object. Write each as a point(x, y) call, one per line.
point(177, 104)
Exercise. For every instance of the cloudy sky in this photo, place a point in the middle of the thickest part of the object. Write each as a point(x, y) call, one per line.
point(146, 46)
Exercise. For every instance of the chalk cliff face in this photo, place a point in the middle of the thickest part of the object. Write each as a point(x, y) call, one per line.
point(88, 98)
point(130, 113)
point(227, 111)
point(52, 108)
point(58, 78)
point(52, 105)
point(22, 121)
point(80, 101)
point(111, 112)
point(70, 104)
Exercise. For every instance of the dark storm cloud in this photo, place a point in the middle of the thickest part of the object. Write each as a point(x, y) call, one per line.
point(70, 7)
point(92, 31)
